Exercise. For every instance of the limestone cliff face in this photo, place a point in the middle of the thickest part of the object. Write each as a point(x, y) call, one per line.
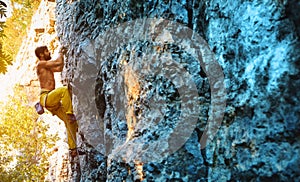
point(128, 114)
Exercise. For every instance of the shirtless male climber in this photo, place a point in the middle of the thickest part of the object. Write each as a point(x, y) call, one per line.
point(56, 100)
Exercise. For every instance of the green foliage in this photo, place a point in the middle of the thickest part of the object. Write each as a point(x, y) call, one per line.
point(5, 58)
point(16, 25)
point(2, 11)
point(24, 144)
point(15, 29)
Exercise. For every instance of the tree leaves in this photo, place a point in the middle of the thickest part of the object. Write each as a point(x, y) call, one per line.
point(3, 7)
point(5, 59)
point(2, 12)
point(15, 28)
point(24, 144)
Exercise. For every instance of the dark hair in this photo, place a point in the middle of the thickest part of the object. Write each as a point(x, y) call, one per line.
point(40, 50)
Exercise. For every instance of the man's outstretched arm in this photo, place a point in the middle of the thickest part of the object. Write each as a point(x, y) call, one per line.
point(60, 60)
point(56, 65)
point(59, 63)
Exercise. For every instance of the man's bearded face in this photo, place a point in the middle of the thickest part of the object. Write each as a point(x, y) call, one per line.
point(47, 55)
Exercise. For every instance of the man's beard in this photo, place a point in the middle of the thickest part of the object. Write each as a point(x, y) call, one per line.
point(47, 58)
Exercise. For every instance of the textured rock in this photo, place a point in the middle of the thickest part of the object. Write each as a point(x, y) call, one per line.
point(257, 45)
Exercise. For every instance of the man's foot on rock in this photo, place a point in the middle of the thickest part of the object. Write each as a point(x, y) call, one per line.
point(73, 152)
point(76, 151)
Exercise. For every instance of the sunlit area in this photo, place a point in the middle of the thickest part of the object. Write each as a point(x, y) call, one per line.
point(16, 19)
point(27, 140)
point(24, 139)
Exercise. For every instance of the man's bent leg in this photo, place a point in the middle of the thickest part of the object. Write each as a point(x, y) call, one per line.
point(60, 95)
point(70, 126)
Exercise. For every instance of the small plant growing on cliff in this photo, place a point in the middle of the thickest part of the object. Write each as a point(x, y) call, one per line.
point(24, 142)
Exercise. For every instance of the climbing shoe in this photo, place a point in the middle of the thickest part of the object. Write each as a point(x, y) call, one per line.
point(76, 151)
point(73, 152)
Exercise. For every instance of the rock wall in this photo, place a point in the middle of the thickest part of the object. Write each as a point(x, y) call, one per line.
point(126, 113)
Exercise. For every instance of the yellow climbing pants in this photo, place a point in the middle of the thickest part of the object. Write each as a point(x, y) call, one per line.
point(59, 103)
